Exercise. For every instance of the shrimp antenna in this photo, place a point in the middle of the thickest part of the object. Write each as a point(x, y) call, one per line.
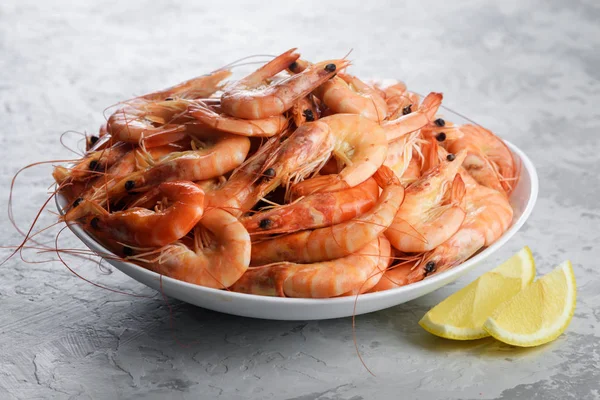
point(348, 53)
point(454, 112)
point(66, 146)
point(236, 63)
point(247, 63)
point(87, 280)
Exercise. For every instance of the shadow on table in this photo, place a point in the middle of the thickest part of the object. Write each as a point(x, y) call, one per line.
point(191, 328)
point(411, 334)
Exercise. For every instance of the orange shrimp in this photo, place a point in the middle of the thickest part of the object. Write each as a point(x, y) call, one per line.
point(215, 156)
point(489, 215)
point(135, 160)
point(196, 88)
point(412, 171)
point(253, 98)
point(489, 160)
point(298, 66)
point(358, 142)
point(415, 120)
point(264, 127)
point(443, 130)
point(318, 280)
point(400, 154)
point(93, 164)
point(376, 275)
point(219, 256)
point(433, 208)
point(315, 211)
point(395, 276)
point(140, 119)
point(276, 163)
point(400, 101)
point(239, 193)
point(211, 185)
point(304, 110)
point(338, 240)
point(141, 226)
point(346, 94)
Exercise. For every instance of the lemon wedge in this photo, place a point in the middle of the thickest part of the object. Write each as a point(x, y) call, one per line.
point(461, 316)
point(540, 313)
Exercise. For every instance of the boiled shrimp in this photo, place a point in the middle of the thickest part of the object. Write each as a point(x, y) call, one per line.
point(400, 101)
point(253, 98)
point(304, 110)
point(276, 163)
point(197, 88)
point(93, 164)
point(264, 127)
point(134, 160)
point(358, 142)
point(395, 276)
point(143, 227)
point(239, 193)
point(338, 240)
point(415, 120)
point(413, 171)
point(376, 274)
point(489, 214)
point(318, 280)
point(400, 154)
point(433, 209)
point(488, 160)
point(134, 122)
point(347, 94)
point(218, 257)
point(213, 157)
point(315, 211)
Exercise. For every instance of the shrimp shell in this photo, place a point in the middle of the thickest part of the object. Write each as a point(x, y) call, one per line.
point(338, 240)
point(343, 276)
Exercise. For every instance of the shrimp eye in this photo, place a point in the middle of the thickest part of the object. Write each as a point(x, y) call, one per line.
point(128, 251)
point(330, 67)
point(407, 110)
point(94, 222)
point(308, 114)
point(269, 173)
point(450, 157)
point(94, 139)
point(293, 66)
point(94, 165)
point(441, 137)
point(169, 99)
point(440, 122)
point(429, 267)
point(77, 202)
point(265, 223)
point(129, 185)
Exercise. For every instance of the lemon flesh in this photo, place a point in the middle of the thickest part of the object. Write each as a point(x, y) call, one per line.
point(461, 316)
point(540, 313)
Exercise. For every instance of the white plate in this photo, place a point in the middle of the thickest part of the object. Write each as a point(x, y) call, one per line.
point(522, 199)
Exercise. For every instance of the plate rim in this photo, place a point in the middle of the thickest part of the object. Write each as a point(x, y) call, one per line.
point(432, 280)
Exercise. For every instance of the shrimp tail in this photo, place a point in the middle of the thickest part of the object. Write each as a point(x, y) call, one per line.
point(60, 174)
point(458, 193)
point(274, 66)
point(430, 150)
point(431, 102)
point(385, 177)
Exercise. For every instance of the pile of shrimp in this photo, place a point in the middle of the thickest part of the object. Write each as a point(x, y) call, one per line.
point(298, 180)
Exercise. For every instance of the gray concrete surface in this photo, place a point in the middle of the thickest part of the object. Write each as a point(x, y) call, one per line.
point(528, 70)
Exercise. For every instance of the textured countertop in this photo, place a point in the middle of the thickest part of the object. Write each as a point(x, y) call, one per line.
point(529, 70)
